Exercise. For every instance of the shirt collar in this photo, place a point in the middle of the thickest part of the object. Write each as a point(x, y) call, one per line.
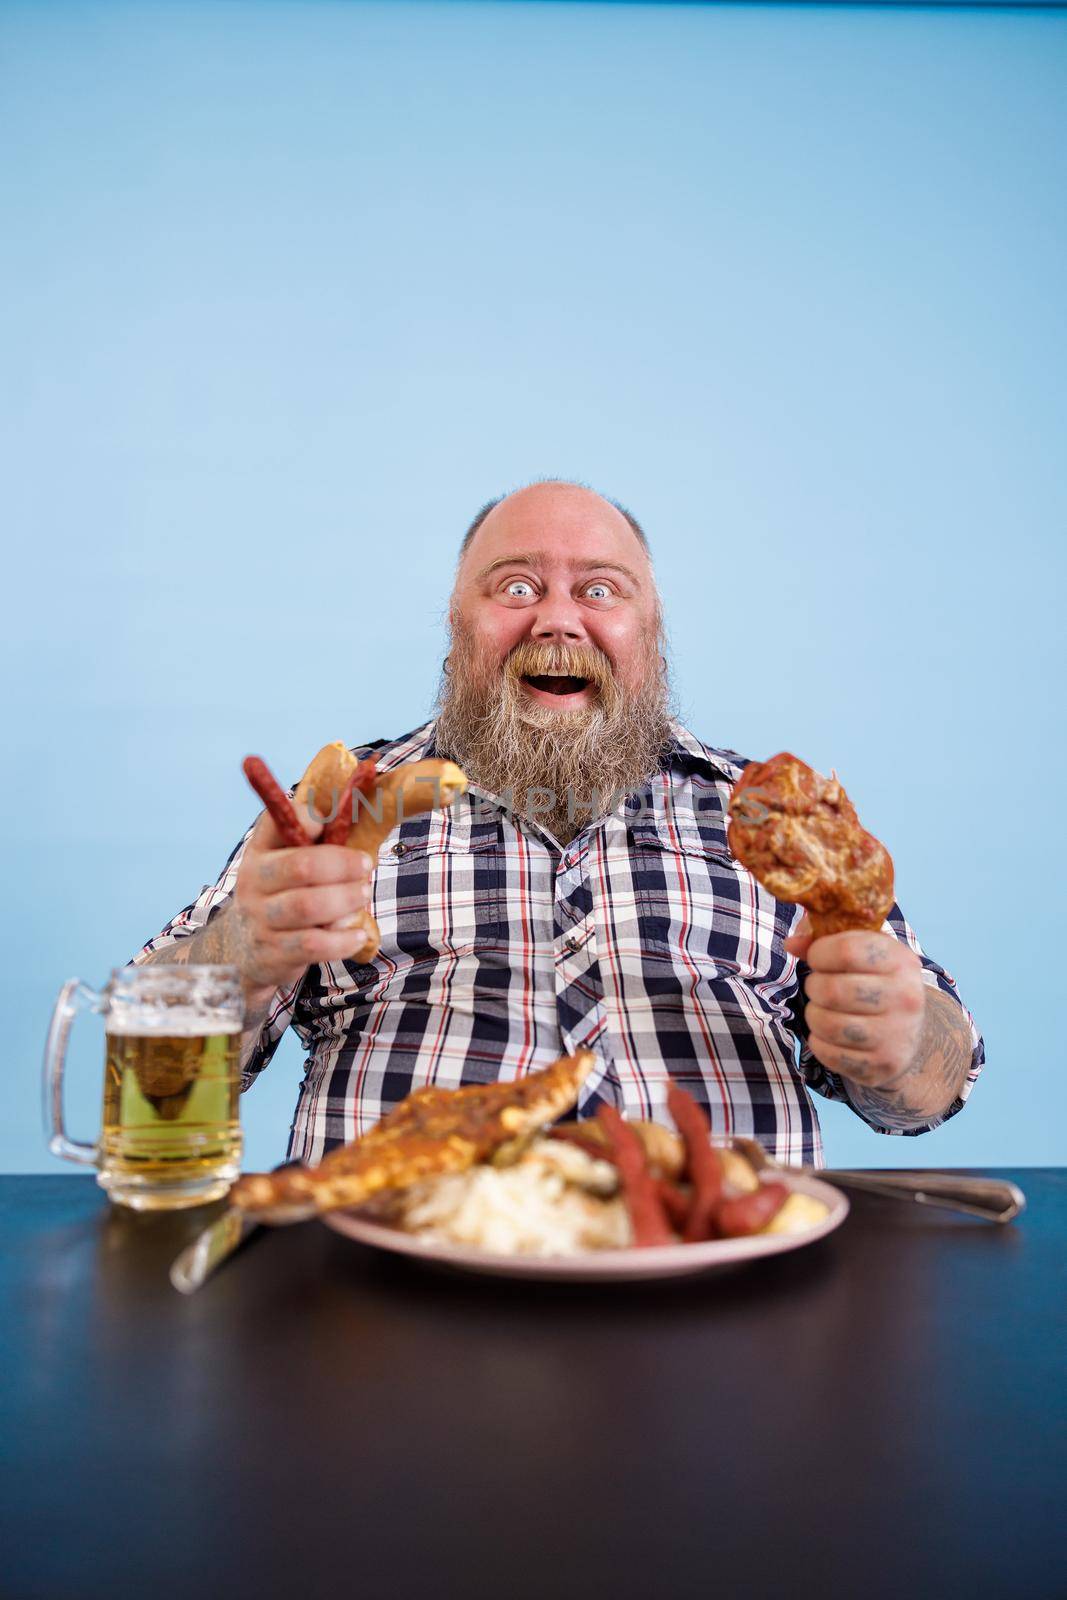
point(686, 749)
point(413, 746)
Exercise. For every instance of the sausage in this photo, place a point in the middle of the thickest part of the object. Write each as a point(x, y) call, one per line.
point(748, 1213)
point(275, 799)
point(362, 777)
point(705, 1168)
point(648, 1220)
point(674, 1203)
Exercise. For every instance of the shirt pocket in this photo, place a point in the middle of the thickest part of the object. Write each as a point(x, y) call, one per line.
point(439, 894)
point(697, 904)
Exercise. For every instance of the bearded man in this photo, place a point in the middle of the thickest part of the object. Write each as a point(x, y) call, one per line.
point(581, 894)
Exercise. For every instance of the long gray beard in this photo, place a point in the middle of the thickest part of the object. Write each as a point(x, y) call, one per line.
point(560, 769)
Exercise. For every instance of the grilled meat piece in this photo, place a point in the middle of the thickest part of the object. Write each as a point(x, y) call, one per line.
point(433, 1131)
point(799, 834)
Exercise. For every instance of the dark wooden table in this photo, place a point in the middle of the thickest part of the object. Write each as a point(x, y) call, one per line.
point(881, 1414)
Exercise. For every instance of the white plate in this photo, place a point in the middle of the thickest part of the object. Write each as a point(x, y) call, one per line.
point(600, 1266)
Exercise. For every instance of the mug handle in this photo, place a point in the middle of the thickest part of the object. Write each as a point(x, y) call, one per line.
point(73, 996)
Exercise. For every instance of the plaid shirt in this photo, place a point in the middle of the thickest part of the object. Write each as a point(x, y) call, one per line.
point(643, 940)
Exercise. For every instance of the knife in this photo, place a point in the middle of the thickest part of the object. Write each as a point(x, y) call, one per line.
point(210, 1249)
point(214, 1246)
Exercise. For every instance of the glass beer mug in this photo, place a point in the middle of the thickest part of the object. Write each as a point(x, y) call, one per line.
point(170, 1134)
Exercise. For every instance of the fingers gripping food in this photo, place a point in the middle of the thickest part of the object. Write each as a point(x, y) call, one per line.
point(798, 832)
point(360, 807)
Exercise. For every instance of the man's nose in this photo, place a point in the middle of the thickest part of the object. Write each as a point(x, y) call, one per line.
point(558, 620)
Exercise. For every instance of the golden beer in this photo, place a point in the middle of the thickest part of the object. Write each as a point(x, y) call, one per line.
point(170, 1122)
point(170, 1134)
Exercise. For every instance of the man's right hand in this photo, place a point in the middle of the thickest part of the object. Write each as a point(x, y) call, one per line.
point(290, 905)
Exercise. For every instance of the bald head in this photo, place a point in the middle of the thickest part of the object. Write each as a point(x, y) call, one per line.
point(555, 496)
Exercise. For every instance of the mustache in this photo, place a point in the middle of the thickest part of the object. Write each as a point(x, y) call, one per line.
point(537, 659)
point(513, 745)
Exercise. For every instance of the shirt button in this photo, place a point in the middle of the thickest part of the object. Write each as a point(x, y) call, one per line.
point(398, 849)
point(572, 944)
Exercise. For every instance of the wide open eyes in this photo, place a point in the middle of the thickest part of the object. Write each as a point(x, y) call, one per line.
point(523, 589)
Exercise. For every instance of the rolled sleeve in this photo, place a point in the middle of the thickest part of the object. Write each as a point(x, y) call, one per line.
point(834, 1087)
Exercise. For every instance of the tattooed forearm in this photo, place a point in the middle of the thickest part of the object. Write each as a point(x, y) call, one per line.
point(888, 1110)
point(223, 940)
point(218, 941)
point(931, 1081)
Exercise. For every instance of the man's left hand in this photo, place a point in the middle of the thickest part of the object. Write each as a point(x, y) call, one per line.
point(866, 999)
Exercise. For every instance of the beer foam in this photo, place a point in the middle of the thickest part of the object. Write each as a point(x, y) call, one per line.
point(177, 1022)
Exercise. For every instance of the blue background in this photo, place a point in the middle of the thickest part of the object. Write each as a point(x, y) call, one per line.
point(288, 290)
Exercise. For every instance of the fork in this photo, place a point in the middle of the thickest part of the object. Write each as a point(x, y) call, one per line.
point(993, 1199)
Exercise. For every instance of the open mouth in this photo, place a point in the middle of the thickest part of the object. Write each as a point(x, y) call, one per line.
point(556, 685)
